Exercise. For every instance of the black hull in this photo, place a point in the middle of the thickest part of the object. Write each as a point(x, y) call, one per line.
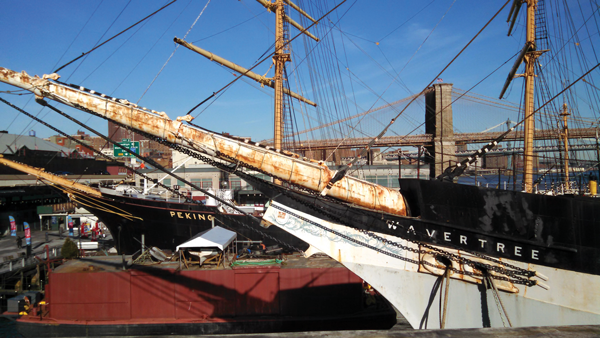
point(556, 231)
point(167, 224)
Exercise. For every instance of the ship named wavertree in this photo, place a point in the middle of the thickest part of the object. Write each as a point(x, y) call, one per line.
point(446, 255)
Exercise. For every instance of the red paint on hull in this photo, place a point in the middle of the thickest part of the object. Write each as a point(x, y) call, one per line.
point(152, 295)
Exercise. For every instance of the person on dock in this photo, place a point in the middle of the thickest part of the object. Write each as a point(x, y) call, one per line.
point(19, 242)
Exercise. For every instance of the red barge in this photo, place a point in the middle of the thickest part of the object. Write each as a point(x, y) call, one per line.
point(96, 297)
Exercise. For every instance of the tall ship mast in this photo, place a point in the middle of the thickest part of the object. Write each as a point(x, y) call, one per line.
point(530, 60)
point(281, 56)
point(529, 55)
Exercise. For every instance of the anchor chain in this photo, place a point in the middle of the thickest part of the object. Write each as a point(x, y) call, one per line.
point(153, 180)
point(515, 274)
point(220, 166)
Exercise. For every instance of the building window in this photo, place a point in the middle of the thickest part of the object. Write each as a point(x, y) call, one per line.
point(197, 182)
point(235, 183)
point(167, 182)
point(180, 184)
point(382, 181)
point(207, 183)
point(371, 178)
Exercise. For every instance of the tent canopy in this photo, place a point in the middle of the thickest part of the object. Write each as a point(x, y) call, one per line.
point(211, 238)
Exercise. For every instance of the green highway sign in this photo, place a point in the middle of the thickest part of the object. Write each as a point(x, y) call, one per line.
point(131, 146)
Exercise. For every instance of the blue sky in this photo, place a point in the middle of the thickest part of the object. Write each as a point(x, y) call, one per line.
point(39, 36)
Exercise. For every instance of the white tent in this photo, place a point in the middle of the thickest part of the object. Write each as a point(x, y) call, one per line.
point(216, 237)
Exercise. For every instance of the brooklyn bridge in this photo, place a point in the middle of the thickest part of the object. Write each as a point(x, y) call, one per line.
point(450, 115)
point(427, 139)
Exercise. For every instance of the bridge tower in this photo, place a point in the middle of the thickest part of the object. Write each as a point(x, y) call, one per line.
point(438, 123)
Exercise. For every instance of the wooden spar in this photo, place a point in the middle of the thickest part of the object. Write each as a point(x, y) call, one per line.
point(281, 164)
point(294, 6)
point(300, 28)
point(243, 71)
point(514, 13)
point(41, 174)
point(511, 75)
point(273, 7)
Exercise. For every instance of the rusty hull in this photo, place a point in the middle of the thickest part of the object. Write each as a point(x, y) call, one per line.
point(281, 164)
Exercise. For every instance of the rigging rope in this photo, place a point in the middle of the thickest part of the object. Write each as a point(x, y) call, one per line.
point(105, 31)
point(173, 53)
point(514, 272)
point(342, 172)
point(460, 167)
point(499, 303)
point(128, 28)
point(406, 21)
point(78, 33)
point(443, 307)
point(268, 56)
point(394, 79)
point(158, 166)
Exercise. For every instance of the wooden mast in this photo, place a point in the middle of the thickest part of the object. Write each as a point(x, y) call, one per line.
point(529, 54)
point(281, 56)
point(530, 60)
point(565, 115)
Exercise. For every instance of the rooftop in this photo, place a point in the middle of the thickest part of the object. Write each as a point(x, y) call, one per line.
point(11, 143)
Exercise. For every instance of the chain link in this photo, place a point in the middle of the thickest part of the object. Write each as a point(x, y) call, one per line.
point(223, 167)
point(153, 180)
point(515, 273)
point(511, 273)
